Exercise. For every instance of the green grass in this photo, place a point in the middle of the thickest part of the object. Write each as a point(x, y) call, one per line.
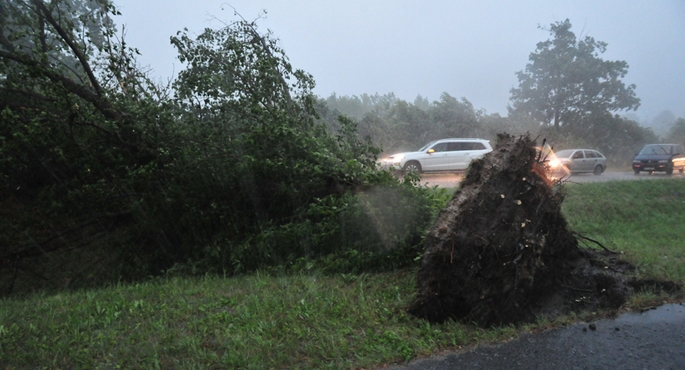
point(344, 321)
point(256, 321)
point(643, 219)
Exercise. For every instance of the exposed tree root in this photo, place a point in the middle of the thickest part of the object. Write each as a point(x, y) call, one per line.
point(501, 251)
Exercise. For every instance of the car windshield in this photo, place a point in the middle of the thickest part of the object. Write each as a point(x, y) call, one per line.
point(426, 146)
point(656, 149)
point(564, 153)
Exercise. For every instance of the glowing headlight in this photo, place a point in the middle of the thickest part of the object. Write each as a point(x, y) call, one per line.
point(395, 158)
point(554, 163)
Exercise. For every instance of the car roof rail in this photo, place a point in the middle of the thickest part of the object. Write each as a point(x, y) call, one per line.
point(463, 138)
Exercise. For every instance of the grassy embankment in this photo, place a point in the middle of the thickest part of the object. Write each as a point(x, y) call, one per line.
point(312, 321)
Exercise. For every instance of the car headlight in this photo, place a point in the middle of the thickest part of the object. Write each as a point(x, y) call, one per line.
point(636, 161)
point(554, 163)
point(395, 158)
point(663, 161)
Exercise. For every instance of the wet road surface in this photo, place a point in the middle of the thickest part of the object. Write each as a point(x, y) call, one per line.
point(654, 339)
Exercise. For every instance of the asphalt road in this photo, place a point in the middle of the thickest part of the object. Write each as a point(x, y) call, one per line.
point(654, 339)
point(452, 179)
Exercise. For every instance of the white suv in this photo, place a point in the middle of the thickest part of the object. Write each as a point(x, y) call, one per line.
point(439, 155)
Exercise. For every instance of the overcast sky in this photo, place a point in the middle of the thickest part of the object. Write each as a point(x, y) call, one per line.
point(466, 48)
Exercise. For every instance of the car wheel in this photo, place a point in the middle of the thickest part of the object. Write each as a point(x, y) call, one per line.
point(669, 171)
point(412, 166)
point(598, 170)
point(637, 172)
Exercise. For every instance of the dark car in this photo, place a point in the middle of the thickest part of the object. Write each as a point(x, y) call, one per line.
point(661, 158)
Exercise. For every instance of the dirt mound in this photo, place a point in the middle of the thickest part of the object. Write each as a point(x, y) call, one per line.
point(501, 251)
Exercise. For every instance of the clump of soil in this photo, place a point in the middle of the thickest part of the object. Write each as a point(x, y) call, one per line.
point(501, 252)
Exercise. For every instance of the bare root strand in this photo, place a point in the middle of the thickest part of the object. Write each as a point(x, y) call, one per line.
point(594, 241)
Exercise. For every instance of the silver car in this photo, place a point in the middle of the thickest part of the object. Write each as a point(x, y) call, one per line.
point(579, 161)
point(440, 155)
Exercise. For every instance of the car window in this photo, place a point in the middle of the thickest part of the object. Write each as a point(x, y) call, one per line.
point(465, 145)
point(440, 147)
point(577, 155)
point(564, 153)
point(590, 154)
point(425, 147)
point(475, 146)
point(598, 154)
point(453, 147)
point(656, 149)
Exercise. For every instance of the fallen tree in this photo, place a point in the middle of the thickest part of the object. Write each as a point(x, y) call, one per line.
point(501, 251)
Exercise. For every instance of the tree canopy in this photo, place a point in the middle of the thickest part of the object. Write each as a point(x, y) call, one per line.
point(566, 81)
point(106, 176)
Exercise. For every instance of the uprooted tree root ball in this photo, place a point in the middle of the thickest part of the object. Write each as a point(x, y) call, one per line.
point(501, 251)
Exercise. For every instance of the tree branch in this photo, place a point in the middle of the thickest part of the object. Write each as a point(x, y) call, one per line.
point(72, 45)
point(100, 103)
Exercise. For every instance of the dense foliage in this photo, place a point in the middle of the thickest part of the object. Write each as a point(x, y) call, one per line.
point(106, 176)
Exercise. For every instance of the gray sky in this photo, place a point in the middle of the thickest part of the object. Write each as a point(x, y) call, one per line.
point(467, 48)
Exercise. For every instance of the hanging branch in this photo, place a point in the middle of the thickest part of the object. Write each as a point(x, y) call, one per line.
point(72, 45)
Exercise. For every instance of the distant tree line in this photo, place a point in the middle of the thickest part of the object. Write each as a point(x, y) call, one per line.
point(396, 125)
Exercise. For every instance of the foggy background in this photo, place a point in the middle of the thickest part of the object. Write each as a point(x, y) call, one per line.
point(469, 49)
